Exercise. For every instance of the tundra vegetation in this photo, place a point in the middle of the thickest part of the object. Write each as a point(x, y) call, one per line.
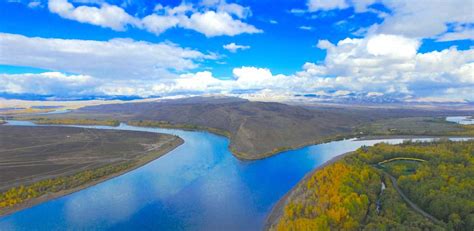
point(347, 195)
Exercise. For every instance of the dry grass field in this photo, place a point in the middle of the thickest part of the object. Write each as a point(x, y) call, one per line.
point(30, 154)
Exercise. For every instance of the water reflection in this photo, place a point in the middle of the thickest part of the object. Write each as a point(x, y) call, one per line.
point(198, 186)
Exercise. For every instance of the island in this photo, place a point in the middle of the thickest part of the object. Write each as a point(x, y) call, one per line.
point(410, 186)
point(40, 163)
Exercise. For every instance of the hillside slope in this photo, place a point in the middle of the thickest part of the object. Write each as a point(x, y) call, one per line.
point(255, 129)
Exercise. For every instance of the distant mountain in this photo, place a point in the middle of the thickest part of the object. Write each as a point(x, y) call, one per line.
point(36, 97)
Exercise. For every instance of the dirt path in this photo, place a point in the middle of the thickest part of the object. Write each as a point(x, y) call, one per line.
point(413, 205)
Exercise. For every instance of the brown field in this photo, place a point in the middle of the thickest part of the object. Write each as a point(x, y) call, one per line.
point(29, 154)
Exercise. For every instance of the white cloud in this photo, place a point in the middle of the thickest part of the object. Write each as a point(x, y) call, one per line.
point(34, 4)
point(48, 83)
point(216, 19)
point(390, 63)
point(392, 45)
point(359, 5)
point(210, 22)
point(424, 18)
point(384, 64)
point(349, 69)
point(306, 28)
point(315, 5)
point(297, 11)
point(158, 24)
point(232, 47)
point(234, 9)
point(113, 59)
point(106, 15)
point(273, 21)
point(461, 34)
point(415, 19)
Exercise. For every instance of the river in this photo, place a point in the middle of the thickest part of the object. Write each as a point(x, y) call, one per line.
point(197, 186)
point(464, 120)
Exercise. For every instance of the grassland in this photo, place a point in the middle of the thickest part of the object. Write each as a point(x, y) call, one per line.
point(429, 186)
point(41, 163)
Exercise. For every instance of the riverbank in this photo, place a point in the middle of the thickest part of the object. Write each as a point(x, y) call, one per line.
point(48, 121)
point(239, 155)
point(319, 200)
point(277, 211)
point(153, 154)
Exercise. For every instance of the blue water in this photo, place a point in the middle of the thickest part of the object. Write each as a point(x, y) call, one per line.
point(197, 186)
point(465, 120)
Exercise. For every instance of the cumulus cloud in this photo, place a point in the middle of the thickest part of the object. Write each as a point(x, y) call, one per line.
point(391, 63)
point(214, 19)
point(232, 47)
point(424, 19)
point(34, 4)
point(106, 15)
point(47, 83)
point(306, 28)
point(459, 34)
point(315, 5)
point(113, 59)
point(415, 19)
point(376, 66)
point(359, 5)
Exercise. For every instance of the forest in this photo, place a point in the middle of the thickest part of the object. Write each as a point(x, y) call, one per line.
point(347, 195)
point(18, 195)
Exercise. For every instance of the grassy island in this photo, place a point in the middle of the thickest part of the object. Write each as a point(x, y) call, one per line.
point(426, 186)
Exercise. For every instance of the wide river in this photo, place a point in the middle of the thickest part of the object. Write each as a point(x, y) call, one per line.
point(197, 186)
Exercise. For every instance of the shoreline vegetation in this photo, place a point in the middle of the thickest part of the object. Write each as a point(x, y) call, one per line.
point(465, 131)
point(408, 171)
point(25, 111)
point(71, 121)
point(257, 130)
point(368, 131)
point(21, 197)
point(416, 126)
point(237, 154)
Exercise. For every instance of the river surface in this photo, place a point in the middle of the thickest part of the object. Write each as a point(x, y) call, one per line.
point(197, 186)
point(465, 120)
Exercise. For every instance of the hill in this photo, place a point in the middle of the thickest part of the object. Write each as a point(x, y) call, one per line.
point(255, 129)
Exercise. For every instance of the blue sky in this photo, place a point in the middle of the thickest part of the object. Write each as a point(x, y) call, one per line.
point(275, 49)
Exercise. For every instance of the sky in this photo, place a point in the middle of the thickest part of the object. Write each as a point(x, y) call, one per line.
point(410, 51)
